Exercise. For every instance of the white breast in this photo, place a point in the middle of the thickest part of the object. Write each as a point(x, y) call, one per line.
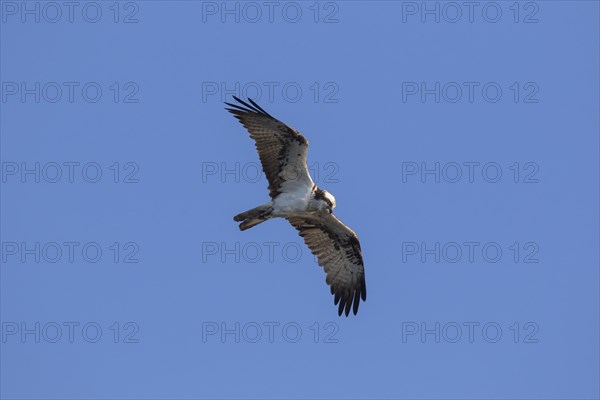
point(291, 202)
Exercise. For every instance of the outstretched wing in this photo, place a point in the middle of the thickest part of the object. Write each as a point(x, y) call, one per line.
point(338, 250)
point(281, 149)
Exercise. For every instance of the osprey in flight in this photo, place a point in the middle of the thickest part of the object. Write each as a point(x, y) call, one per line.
point(295, 197)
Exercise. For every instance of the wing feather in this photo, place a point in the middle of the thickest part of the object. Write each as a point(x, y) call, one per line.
point(338, 251)
point(281, 149)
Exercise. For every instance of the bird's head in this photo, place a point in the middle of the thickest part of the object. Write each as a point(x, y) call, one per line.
point(327, 198)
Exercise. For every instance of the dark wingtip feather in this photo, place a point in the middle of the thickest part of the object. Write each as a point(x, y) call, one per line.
point(237, 109)
point(363, 291)
point(259, 107)
point(348, 305)
point(253, 107)
point(237, 99)
point(250, 107)
point(349, 301)
point(356, 302)
point(234, 111)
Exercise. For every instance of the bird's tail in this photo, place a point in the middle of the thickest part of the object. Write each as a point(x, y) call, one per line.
point(254, 216)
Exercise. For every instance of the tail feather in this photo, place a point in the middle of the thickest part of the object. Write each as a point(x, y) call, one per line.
point(249, 223)
point(254, 216)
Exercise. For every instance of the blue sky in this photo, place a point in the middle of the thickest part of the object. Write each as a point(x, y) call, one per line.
point(461, 144)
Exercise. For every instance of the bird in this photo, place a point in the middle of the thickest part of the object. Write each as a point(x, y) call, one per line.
point(295, 196)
